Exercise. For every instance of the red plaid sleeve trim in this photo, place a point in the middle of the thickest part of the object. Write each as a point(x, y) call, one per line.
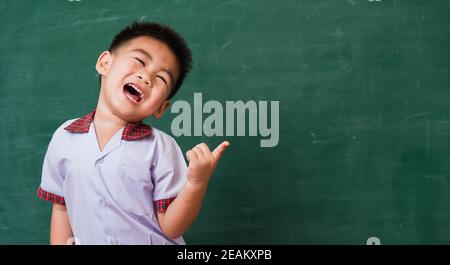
point(47, 196)
point(162, 205)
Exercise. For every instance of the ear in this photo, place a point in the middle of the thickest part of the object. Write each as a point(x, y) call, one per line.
point(164, 106)
point(103, 63)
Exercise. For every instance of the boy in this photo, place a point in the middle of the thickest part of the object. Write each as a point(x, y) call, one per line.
point(113, 179)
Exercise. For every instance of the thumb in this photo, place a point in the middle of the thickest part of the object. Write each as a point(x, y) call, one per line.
point(217, 153)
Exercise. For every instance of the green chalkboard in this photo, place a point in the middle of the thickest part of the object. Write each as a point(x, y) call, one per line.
point(364, 113)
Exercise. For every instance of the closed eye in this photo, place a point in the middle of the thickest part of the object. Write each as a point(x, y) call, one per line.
point(142, 62)
point(162, 78)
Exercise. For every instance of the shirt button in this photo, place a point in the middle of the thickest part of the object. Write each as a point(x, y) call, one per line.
point(101, 160)
point(102, 203)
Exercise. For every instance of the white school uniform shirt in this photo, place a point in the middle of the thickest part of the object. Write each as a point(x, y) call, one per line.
point(112, 196)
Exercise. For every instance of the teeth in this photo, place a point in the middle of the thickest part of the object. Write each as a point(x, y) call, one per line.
point(141, 94)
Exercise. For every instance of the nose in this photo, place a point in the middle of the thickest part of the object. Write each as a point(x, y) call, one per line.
point(146, 81)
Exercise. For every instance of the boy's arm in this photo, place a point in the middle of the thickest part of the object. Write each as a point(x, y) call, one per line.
point(60, 229)
point(184, 209)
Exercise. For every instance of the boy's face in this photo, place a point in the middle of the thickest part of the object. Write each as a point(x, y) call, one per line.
point(137, 78)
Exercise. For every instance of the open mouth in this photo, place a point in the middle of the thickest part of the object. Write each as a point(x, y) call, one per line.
point(133, 93)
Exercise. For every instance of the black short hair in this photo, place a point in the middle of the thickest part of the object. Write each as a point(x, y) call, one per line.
point(164, 34)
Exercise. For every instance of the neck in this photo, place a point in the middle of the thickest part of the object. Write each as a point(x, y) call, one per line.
point(104, 117)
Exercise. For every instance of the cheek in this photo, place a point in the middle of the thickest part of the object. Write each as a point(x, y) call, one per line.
point(160, 92)
point(120, 70)
point(157, 98)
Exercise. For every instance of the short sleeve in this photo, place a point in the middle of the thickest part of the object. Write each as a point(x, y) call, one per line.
point(53, 170)
point(168, 172)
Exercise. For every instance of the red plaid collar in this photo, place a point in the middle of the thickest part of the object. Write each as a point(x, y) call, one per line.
point(133, 130)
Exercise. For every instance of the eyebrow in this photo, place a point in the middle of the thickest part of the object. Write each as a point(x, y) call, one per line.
point(150, 57)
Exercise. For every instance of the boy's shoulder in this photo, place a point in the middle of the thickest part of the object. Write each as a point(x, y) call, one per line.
point(60, 131)
point(60, 139)
point(163, 139)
